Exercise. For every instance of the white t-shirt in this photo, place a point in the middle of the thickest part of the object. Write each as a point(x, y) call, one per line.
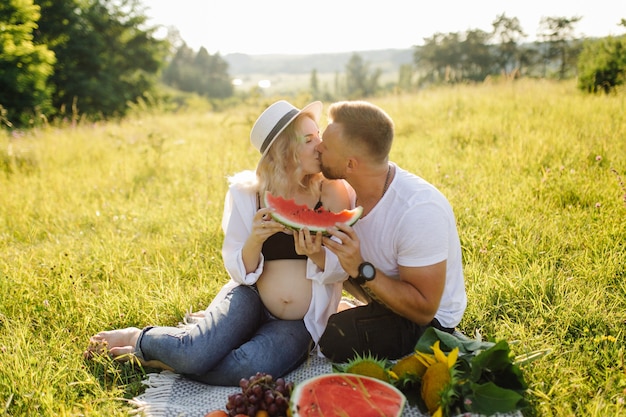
point(413, 225)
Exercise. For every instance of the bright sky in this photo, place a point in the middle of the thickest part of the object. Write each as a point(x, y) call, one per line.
point(295, 27)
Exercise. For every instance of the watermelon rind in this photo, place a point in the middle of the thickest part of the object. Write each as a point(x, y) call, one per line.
point(321, 227)
point(305, 388)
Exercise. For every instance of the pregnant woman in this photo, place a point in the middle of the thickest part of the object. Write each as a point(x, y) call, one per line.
point(283, 285)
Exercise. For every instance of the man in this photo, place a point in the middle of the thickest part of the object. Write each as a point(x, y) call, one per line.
point(403, 256)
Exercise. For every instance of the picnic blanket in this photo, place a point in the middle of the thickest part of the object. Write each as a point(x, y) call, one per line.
point(171, 395)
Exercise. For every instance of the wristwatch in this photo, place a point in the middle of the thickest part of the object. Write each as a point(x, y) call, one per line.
point(367, 272)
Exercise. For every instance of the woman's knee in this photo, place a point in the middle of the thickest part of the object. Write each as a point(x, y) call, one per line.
point(244, 296)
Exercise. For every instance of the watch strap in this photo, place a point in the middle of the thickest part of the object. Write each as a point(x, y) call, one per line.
point(361, 279)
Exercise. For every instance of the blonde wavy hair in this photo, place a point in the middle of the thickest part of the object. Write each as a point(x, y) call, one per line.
point(280, 167)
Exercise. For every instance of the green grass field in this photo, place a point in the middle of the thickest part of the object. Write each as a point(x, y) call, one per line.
point(118, 224)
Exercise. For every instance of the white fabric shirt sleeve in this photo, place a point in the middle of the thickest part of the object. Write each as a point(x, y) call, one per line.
point(332, 272)
point(239, 209)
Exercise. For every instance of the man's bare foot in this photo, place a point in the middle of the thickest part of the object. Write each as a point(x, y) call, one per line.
point(198, 314)
point(195, 317)
point(192, 318)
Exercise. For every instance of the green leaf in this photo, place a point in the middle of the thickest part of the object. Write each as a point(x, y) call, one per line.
point(447, 342)
point(496, 365)
point(489, 399)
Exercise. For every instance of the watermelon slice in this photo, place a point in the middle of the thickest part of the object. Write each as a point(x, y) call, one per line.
point(298, 216)
point(346, 395)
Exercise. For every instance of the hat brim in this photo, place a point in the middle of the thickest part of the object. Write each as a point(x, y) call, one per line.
point(314, 109)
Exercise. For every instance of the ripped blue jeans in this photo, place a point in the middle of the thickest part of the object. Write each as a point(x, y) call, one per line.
point(236, 339)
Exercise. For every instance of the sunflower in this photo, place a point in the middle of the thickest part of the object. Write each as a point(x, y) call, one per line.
point(439, 379)
point(409, 368)
point(366, 365)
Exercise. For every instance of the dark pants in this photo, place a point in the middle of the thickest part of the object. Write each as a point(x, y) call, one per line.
point(371, 329)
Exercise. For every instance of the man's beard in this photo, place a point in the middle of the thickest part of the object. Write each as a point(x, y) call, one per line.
point(329, 173)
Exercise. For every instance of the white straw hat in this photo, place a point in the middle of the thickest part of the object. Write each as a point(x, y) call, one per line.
point(275, 119)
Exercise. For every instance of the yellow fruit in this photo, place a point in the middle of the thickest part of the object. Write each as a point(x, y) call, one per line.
point(216, 413)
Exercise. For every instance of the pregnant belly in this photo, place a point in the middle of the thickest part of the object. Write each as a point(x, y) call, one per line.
point(284, 289)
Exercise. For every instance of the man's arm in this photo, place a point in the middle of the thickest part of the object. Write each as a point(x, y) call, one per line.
point(416, 295)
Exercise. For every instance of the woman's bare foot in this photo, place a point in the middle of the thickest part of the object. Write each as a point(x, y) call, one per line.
point(120, 344)
point(117, 343)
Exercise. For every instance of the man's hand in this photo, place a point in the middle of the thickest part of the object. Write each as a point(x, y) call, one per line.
point(347, 250)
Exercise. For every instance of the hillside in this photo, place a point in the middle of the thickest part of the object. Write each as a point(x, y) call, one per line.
point(386, 60)
point(281, 74)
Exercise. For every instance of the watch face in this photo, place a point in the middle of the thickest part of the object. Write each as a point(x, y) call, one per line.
point(368, 271)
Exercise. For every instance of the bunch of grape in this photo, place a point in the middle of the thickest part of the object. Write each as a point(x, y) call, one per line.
point(260, 392)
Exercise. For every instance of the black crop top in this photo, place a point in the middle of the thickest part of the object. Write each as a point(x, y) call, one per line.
point(280, 245)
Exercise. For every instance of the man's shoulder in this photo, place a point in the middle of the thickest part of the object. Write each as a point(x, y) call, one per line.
point(414, 196)
point(412, 186)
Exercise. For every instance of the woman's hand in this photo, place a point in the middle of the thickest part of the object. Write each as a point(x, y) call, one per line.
point(263, 226)
point(310, 244)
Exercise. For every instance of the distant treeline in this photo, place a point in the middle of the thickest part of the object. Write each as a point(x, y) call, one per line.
point(98, 58)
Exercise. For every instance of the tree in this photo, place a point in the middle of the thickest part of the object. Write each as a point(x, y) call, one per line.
point(602, 64)
point(314, 84)
point(178, 73)
point(529, 60)
point(211, 72)
point(200, 73)
point(455, 57)
point(558, 33)
point(440, 57)
point(107, 57)
point(24, 66)
point(220, 84)
point(508, 33)
point(359, 83)
point(405, 77)
point(476, 58)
